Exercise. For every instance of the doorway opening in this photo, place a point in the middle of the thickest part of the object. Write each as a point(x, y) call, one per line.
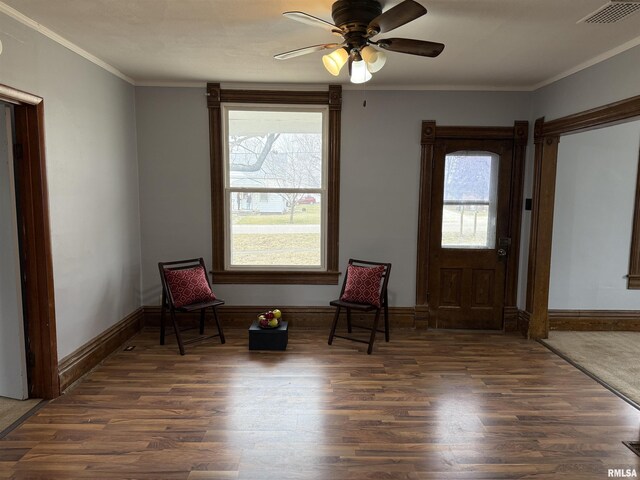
point(34, 239)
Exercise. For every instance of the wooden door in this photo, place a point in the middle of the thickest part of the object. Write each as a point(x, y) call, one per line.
point(469, 243)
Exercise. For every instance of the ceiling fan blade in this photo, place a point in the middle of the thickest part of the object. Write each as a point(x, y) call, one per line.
point(413, 47)
point(395, 17)
point(306, 50)
point(311, 20)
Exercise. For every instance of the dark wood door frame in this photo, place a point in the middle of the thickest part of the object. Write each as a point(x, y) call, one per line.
point(547, 138)
point(35, 242)
point(430, 132)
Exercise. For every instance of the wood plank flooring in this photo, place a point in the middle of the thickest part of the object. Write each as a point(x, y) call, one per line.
point(425, 406)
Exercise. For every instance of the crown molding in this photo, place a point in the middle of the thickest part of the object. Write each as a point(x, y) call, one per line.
point(16, 15)
point(589, 63)
point(169, 84)
point(450, 88)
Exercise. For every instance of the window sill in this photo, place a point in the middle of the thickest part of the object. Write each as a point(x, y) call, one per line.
point(276, 277)
point(633, 282)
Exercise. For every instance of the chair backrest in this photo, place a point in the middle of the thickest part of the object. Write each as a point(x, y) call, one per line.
point(384, 281)
point(178, 265)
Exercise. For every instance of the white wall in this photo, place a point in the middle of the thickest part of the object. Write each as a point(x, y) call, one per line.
point(92, 177)
point(614, 79)
point(13, 365)
point(380, 175)
point(595, 196)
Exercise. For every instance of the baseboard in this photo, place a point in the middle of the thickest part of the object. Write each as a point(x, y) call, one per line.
point(80, 362)
point(524, 318)
point(298, 317)
point(422, 317)
point(595, 320)
point(510, 317)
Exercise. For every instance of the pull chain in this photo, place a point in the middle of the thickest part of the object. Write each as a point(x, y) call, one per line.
point(364, 95)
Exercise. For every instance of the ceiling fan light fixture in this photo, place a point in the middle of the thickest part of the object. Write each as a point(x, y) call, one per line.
point(335, 60)
point(359, 72)
point(375, 59)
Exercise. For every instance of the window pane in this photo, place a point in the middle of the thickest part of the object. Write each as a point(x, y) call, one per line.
point(275, 149)
point(267, 231)
point(470, 200)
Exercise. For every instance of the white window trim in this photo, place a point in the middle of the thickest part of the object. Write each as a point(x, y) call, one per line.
point(228, 190)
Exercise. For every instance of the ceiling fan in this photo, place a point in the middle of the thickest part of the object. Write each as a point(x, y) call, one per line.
point(357, 22)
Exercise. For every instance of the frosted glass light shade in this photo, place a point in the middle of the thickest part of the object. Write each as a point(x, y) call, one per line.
point(335, 60)
point(359, 72)
point(375, 59)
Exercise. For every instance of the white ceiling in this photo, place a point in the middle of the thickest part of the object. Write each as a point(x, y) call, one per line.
point(493, 44)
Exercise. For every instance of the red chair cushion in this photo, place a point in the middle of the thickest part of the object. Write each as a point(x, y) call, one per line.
point(363, 285)
point(188, 286)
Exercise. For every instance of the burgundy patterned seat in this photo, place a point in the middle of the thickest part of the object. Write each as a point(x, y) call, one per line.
point(364, 289)
point(186, 288)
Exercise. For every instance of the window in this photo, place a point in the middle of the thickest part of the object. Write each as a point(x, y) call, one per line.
point(275, 176)
point(275, 185)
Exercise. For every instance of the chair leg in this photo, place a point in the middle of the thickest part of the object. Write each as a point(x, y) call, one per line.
point(386, 323)
point(373, 332)
point(220, 332)
point(349, 320)
point(335, 324)
point(202, 321)
point(177, 330)
point(162, 334)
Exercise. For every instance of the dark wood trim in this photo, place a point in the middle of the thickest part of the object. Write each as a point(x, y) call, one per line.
point(524, 318)
point(36, 262)
point(545, 163)
point(333, 185)
point(18, 97)
point(217, 176)
point(85, 358)
point(547, 137)
point(422, 317)
point(331, 97)
point(241, 316)
point(510, 317)
point(483, 133)
point(633, 280)
point(595, 320)
point(606, 115)
point(276, 277)
point(289, 97)
point(520, 135)
point(429, 134)
point(428, 139)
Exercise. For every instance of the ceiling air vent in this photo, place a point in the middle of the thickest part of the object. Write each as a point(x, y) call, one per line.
point(613, 12)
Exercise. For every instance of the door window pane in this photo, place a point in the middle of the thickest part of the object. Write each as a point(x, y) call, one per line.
point(470, 200)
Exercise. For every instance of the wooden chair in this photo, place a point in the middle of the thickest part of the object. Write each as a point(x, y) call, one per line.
point(374, 300)
point(186, 288)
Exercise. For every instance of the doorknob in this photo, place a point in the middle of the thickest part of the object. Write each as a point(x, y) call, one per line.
point(502, 252)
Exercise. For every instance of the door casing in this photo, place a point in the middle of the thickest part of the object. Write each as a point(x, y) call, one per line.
point(429, 134)
point(35, 243)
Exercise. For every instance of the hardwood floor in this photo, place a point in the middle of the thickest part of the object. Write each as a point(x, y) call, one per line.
point(425, 406)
